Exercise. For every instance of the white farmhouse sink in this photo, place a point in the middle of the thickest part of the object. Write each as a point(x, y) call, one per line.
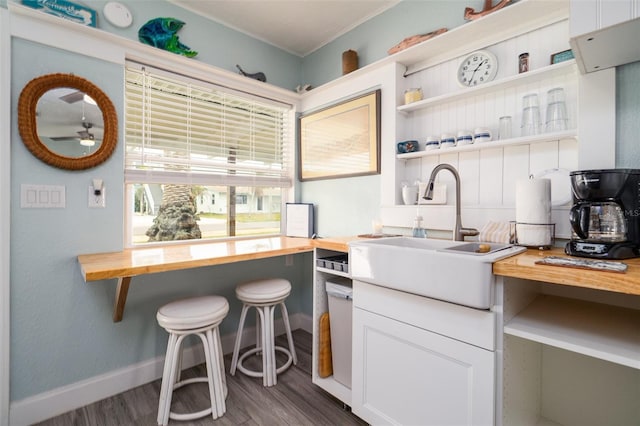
point(447, 270)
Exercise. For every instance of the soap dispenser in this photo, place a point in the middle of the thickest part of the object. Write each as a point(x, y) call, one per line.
point(418, 231)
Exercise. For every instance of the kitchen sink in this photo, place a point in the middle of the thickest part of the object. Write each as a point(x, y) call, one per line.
point(453, 271)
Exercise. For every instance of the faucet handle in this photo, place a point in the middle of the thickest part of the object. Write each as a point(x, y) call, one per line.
point(469, 232)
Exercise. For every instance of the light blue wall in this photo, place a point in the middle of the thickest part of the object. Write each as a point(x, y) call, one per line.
point(628, 116)
point(216, 44)
point(61, 328)
point(375, 37)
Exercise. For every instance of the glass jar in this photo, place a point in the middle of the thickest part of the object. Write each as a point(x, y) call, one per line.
point(412, 95)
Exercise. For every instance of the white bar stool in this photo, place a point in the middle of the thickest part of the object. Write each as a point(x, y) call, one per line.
point(199, 316)
point(264, 295)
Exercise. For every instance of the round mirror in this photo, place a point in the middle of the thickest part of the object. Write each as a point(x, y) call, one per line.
point(67, 121)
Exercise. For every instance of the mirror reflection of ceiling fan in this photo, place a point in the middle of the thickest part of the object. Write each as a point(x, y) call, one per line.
point(76, 96)
point(85, 137)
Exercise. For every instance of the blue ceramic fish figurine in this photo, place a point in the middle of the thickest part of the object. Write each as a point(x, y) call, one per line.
point(162, 33)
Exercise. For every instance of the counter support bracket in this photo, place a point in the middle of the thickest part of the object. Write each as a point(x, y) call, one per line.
point(121, 298)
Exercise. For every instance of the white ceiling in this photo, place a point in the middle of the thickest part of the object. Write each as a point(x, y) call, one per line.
point(296, 26)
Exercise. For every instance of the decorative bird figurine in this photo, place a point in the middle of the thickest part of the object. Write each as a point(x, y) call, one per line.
point(162, 33)
point(258, 75)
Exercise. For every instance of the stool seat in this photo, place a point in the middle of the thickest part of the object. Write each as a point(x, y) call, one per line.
point(263, 291)
point(196, 316)
point(192, 313)
point(264, 295)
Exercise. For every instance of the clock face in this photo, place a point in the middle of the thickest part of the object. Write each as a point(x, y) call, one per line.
point(477, 68)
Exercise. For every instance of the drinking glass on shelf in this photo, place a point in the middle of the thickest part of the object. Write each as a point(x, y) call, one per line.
point(504, 129)
point(530, 115)
point(556, 111)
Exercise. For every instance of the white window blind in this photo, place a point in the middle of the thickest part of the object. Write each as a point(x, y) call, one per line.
point(183, 130)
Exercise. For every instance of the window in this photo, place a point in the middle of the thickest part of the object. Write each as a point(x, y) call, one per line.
point(202, 161)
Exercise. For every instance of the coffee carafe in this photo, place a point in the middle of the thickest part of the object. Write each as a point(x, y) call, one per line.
point(605, 216)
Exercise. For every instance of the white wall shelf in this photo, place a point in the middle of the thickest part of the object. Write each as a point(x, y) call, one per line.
point(517, 18)
point(523, 140)
point(601, 331)
point(563, 68)
point(333, 272)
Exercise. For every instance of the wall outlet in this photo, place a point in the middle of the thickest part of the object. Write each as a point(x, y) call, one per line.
point(97, 201)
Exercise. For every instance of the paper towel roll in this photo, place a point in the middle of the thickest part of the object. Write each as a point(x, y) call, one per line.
point(533, 207)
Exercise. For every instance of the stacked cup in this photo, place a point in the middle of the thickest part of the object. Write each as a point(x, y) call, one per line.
point(530, 115)
point(556, 111)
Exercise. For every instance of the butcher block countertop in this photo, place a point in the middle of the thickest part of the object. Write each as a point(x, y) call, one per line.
point(523, 266)
point(148, 260)
point(125, 264)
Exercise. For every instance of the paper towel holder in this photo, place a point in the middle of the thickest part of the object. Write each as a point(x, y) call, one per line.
point(550, 228)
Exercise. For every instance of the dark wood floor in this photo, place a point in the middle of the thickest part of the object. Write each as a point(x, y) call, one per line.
point(293, 401)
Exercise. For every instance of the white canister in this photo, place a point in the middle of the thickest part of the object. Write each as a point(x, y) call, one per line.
point(482, 134)
point(465, 137)
point(447, 140)
point(433, 142)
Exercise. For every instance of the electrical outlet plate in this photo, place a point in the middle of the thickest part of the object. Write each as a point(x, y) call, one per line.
point(97, 201)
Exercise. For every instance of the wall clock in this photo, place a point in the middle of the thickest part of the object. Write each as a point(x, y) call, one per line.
point(477, 68)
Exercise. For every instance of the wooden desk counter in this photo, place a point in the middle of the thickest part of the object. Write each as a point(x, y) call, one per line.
point(523, 266)
point(128, 263)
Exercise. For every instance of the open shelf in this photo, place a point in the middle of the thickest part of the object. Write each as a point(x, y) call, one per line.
point(601, 331)
point(563, 68)
point(517, 18)
point(333, 272)
point(523, 140)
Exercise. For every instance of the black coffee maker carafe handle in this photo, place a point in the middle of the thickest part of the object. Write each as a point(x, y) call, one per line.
point(579, 218)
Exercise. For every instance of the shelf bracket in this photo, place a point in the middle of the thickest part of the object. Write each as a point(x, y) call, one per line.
point(121, 298)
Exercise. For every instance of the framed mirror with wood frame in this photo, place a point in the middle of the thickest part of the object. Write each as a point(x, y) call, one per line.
point(34, 100)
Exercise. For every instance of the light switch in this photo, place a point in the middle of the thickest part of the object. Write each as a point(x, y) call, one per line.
point(42, 196)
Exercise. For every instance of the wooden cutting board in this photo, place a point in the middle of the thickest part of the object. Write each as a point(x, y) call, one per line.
point(325, 366)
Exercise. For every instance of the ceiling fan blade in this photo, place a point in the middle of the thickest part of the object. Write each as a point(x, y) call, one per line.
point(64, 138)
point(73, 97)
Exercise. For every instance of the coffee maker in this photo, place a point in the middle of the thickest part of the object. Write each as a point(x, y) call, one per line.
point(605, 216)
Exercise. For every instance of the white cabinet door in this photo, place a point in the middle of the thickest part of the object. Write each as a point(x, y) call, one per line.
point(409, 376)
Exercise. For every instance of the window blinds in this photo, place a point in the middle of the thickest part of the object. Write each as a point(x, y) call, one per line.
point(188, 131)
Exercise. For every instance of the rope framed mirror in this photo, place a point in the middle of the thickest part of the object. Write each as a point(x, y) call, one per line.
point(67, 121)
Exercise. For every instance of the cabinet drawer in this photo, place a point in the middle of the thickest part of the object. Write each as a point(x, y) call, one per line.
point(473, 326)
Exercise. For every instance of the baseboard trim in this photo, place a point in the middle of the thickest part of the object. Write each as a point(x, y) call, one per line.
point(57, 401)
